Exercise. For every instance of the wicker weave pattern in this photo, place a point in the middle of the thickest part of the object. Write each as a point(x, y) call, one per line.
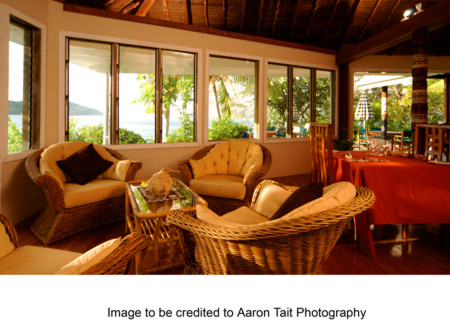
point(253, 179)
point(293, 246)
point(115, 263)
point(56, 221)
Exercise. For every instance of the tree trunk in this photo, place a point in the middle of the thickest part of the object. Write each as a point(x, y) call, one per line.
point(217, 98)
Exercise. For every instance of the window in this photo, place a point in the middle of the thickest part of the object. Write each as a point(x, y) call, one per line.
point(295, 97)
point(121, 94)
point(23, 91)
point(232, 97)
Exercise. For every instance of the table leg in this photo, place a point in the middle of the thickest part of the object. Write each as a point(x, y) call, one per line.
point(363, 228)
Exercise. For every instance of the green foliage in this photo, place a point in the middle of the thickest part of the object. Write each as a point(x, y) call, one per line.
point(399, 106)
point(14, 137)
point(94, 134)
point(185, 133)
point(225, 128)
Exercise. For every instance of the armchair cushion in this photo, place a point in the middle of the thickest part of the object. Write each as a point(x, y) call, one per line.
point(244, 216)
point(215, 162)
point(209, 216)
point(96, 190)
point(254, 158)
point(35, 260)
point(90, 258)
point(298, 198)
point(225, 186)
point(6, 246)
point(270, 198)
point(84, 165)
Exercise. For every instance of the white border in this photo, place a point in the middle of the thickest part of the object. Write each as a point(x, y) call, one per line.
point(61, 84)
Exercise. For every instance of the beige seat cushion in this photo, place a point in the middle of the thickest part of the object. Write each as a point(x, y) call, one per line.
point(333, 195)
point(6, 246)
point(209, 216)
point(94, 191)
point(238, 156)
point(62, 150)
point(270, 198)
point(224, 186)
point(90, 258)
point(35, 260)
point(244, 216)
point(214, 162)
point(254, 158)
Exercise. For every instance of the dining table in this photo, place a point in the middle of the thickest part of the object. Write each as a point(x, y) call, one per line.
point(408, 189)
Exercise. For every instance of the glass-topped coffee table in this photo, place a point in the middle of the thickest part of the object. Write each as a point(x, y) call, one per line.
point(145, 214)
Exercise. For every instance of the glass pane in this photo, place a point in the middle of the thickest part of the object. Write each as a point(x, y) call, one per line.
point(277, 101)
point(232, 98)
point(323, 96)
point(89, 91)
point(435, 97)
point(178, 96)
point(19, 91)
point(137, 88)
point(302, 102)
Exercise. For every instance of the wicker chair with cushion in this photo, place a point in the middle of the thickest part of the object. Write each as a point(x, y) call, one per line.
point(74, 205)
point(227, 173)
point(247, 241)
point(111, 257)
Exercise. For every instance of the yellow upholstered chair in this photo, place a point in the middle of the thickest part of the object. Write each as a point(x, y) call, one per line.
point(249, 241)
point(226, 172)
point(72, 207)
point(111, 257)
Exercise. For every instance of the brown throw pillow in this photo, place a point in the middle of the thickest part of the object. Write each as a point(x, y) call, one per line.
point(84, 165)
point(298, 198)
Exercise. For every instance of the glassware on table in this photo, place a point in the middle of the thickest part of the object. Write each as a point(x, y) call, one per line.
point(385, 146)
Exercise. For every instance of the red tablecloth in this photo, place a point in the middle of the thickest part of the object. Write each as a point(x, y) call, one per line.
point(407, 191)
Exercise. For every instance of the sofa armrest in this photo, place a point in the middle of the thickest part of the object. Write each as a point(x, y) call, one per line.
point(132, 170)
point(185, 170)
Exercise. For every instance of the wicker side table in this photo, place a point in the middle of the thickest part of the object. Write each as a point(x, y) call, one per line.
point(146, 216)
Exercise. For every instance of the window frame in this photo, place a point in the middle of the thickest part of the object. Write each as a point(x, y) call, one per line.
point(63, 86)
point(259, 72)
point(313, 103)
point(38, 96)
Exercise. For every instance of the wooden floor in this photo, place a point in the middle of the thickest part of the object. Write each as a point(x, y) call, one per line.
point(422, 256)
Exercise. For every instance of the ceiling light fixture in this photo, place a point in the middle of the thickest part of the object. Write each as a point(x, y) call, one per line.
point(418, 8)
point(406, 14)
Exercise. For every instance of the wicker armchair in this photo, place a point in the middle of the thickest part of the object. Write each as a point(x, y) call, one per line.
point(57, 221)
point(116, 262)
point(292, 246)
point(253, 179)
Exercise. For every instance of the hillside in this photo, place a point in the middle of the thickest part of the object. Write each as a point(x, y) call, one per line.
point(15, 108)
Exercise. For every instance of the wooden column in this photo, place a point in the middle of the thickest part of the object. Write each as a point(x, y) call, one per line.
point(384, 112)
point(344, 102)
point(419, 106)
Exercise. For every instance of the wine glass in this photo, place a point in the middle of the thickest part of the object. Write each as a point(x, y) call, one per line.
point(385, 146)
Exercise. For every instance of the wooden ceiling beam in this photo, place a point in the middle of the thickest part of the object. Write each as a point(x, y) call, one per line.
point(261, 8)
point(243, 3)
point(311, 18)
point(390, 14)
point(431, 19)
point(224, 13)
point(275, 17)
point(205, 8)
point(294, 20)
point(145, 8)
point(130, 7)
point(166, 10)
point(336, 3)
point(350, 19)
point(187, 11)
point(119, 5)
point(363, 30)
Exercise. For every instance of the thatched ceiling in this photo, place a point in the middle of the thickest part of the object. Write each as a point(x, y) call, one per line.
point(323, 24)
